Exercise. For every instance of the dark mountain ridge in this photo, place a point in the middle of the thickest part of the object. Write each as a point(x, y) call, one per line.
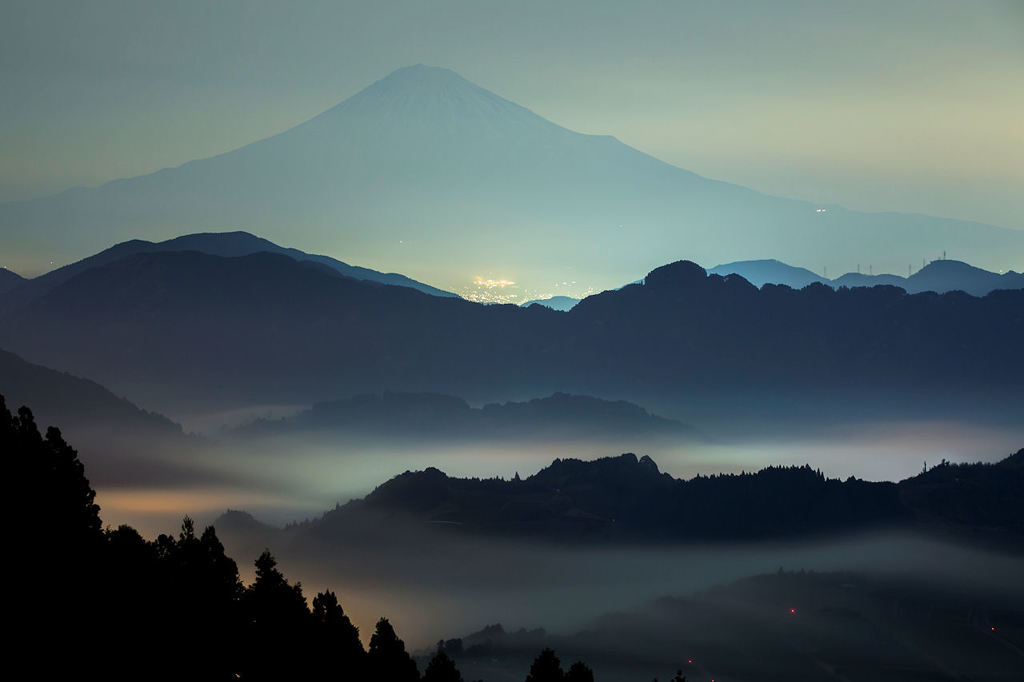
point(120, 441)
point(939, 276)
point(9, 280)
point(267, 327)
point(628, 500)
point(224, 244)
point(75, 403)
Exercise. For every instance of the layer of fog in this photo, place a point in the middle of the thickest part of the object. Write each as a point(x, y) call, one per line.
point(435, 584)
point(292, 477)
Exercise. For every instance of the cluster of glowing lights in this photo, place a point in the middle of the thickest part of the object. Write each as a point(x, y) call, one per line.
point(506, 291)
point(492, 283)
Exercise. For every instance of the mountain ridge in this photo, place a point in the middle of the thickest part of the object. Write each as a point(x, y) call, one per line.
point(200, 324)
point(626, 499)
point(939, 276)
point(225, 244)
point(389, 183)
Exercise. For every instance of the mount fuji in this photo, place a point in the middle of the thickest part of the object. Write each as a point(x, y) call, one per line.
point(430, 175)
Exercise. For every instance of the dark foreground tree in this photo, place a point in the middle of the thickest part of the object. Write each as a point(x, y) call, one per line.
point(546, 668)
point(387, 658)
point(340, 653)
point(441, 668)
point(108, 604)
point(579, 672)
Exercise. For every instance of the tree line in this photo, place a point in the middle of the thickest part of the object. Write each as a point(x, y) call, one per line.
point(96, 602)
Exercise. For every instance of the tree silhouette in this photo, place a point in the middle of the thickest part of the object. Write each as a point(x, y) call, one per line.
point(86, 588)
point(579, 672)
point(441, 668)
point(546, 668)
point(279, 624)
point(336, 634)
point(387, 658)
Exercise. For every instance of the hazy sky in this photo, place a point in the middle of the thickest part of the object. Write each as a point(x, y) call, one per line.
point(903, 105)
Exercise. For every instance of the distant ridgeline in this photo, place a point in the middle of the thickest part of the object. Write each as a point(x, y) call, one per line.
point(416, 415)
point(625, 499)
point(268, 327)
point(97, 603)
point(939, 276)
point(366, 166)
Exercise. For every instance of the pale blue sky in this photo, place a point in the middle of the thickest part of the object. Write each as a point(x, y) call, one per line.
point(895, 105)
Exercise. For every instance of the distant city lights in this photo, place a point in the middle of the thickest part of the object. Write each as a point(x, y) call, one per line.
point(491, 283)
point(506, 291)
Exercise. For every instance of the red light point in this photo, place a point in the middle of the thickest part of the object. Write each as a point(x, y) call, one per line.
point(792, 610)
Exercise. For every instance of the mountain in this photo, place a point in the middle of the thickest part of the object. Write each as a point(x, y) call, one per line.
point(761, 272)
point(420, 415)
point(197, 327)
point(436, 176)
point(952, 275)
point(628, 500)
point(9, 280)
point(940, 276)
point(182, 328)
point(563, 303)
point(120, 442)
point(73, 402)
point(226, 244)
point(858, 279)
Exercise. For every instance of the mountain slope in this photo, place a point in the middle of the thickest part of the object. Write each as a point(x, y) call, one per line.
point(951, 275)
point(939, 276)
point(196, 327)
point(626, 499)
point(74, 403)
point(199, 326)
point(436, 176)
point(9, 280)
point(563, 303)
point(226, 244)
point(761, 272)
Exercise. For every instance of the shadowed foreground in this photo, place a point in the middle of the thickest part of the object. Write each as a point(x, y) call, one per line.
point(109, 603)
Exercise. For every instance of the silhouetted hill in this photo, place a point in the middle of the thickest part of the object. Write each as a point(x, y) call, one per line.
point(225, 244)
point(625, 499)
point(76, 403)
point(9, 280)
point(84, 586)
point(563, 303)
point(952, 275)
point(722, 330)
point(185, 325)
point(987, 496)
point(121, 442)
point(939, 276)
point(761, 272)
point(199, 325)
point(427, 171)
point(419, 415)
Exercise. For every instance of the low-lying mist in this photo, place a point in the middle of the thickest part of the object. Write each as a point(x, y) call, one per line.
point(435, 584)
point(290, 477)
